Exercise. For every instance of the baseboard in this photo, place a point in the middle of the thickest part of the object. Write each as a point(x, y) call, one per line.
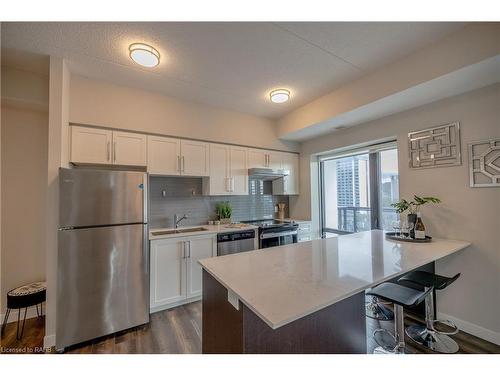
point(172, 305)
point(473, 329)
point(49, 341)
point(31, 313)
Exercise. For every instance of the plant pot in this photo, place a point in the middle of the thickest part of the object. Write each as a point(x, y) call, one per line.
point(412, 218)
point(228, 220)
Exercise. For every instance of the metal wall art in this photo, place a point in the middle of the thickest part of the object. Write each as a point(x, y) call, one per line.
point(435, 147)
point(484, 163)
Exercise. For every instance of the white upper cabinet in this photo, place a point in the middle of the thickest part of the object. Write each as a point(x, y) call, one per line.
point(195, 158)
point(238, 170)
point(288, 185)
point(264, 159)
point(164, 155)
point(218, 183)
point(129, 148)
point(257, 158)
point(100, 146)
point(90, 145)
point(177, 157)
point(274, 159)
point(290, 163)
point(228, 170)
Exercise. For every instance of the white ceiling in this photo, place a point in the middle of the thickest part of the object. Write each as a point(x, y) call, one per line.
point(229, 65)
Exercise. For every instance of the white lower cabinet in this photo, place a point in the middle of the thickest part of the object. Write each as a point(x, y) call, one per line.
point(175, 275)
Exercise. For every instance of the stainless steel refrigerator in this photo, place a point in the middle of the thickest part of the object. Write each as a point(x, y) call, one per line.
point(103, 254)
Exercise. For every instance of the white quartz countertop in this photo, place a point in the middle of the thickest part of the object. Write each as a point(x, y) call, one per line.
point(210, 229)
point(285, 283)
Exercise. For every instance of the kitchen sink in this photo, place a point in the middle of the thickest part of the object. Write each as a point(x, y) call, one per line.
point(178, 230)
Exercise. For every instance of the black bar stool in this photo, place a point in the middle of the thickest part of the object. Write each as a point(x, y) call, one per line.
point(376, 309)
point(428, 335)
point(401, 296)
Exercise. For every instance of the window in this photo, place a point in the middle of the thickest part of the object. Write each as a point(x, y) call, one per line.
point(357, 189)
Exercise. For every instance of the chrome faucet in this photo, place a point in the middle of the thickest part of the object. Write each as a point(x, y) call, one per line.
point(177, 220)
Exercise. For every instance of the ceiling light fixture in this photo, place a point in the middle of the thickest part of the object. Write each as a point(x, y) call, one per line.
point(144, 54)
point(279, 96)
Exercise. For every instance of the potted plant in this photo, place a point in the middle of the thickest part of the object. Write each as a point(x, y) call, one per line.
point(224, 211)
point(413, 207)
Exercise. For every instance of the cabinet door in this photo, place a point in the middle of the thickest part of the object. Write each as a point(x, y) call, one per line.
point(168, 272)
point(197, 248)
point(290, 163)
point(238, 170)
point(129, 148)
point(194, 158)
point(90, 145)
point(257, 158)
point(164, 155)
point(219, 170)
point(274, 159)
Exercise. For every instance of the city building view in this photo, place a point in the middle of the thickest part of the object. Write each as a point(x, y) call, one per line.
point(346, 191)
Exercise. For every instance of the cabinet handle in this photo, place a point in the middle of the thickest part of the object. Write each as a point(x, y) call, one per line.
point(178, 163)
point(114, 151)
point(189, 248)
point(108, 148)
point(184, 250)
point(183, 165)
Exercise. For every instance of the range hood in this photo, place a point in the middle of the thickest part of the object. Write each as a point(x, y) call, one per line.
point(266, 174)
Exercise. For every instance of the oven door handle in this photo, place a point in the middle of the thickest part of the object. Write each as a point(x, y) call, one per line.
point(264, 236)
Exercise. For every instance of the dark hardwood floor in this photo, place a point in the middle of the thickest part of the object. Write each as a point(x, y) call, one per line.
point(178, 330)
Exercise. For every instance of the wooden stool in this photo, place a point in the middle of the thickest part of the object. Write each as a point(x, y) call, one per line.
point(24, 297)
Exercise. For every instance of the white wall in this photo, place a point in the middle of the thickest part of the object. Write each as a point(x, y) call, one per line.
point(104, 104)
point(24, 160)
point(470, 214)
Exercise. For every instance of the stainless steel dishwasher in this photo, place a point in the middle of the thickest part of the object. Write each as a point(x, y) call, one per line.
point(235, 242)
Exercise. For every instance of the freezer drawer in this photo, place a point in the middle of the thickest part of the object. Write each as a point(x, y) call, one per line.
point(102, 283)
point(92, 197)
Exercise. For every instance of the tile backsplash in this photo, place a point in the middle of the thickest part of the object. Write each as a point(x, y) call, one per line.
point(183, 195)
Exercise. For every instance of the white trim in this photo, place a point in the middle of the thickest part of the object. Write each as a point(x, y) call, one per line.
point(49, 341)
point(31, 313)
point(473, 329)
point(167, 306)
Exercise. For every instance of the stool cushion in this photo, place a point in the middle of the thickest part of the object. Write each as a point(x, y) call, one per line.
point(428, 279)
point(399, 294)
point(28, 289)
point(26, 295)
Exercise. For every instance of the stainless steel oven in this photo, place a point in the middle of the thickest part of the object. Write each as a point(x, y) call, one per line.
point(275, 232)
point(277, 238)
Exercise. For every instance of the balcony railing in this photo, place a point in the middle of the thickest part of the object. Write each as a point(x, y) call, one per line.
point(357, 219)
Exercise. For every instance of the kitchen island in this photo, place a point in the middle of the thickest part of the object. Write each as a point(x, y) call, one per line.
point(306, 297)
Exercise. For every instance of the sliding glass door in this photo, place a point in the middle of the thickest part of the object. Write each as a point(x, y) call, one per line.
point(357, 190)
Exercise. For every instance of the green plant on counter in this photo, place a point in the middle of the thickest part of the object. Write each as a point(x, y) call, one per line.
point(224, 210)
point(414, 205)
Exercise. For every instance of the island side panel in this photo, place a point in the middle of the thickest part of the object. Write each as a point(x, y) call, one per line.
point(339, 328)
point(222, 324)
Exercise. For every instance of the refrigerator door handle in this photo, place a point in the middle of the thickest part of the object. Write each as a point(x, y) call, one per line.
point(145, 249)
